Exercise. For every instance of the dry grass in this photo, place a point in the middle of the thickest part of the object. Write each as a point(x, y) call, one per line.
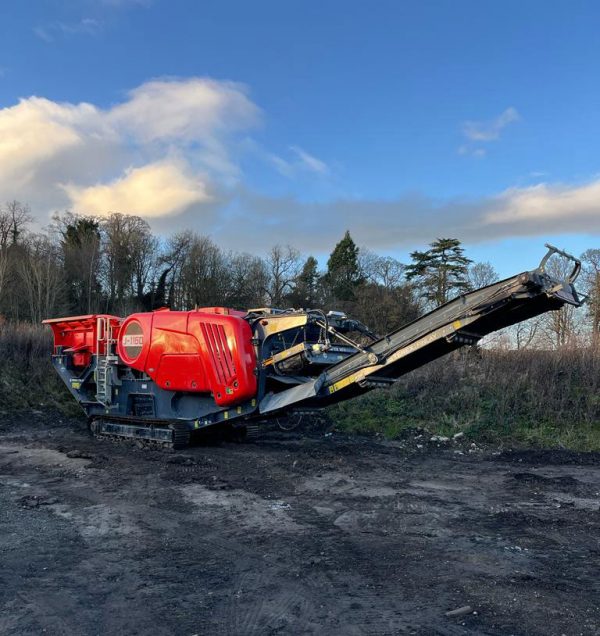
point(25, 344)
point(545, 398)
point(27, 379)
point(542, 398)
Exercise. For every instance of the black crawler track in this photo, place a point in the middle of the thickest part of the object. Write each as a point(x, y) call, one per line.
point(156, 434)
point(165, 435)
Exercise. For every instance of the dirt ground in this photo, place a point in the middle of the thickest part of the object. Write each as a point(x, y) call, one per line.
point(291, 534)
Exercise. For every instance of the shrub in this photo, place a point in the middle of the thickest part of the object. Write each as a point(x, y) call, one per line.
point(529, 396)
point(27, 378)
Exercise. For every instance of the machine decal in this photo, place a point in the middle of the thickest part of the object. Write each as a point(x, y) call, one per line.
point(133, 339)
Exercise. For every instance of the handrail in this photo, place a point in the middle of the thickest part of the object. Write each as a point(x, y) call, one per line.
point(554, 250)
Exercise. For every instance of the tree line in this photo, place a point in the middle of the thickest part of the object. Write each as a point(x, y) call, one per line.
point(83, 264)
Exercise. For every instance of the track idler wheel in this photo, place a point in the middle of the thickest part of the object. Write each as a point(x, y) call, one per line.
point(240, 434)
point(181, 435)
point(291, 422)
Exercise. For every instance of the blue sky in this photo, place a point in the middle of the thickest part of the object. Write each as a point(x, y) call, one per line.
point(263, 122)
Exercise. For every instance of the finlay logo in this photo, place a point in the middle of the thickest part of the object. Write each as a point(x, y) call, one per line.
point(133, 340)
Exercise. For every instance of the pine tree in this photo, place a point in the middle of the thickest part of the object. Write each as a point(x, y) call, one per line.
point(305, 293)
point(343, 271)
point(440, 272)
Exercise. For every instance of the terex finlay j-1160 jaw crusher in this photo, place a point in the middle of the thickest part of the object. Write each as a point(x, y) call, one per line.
point(162, 375)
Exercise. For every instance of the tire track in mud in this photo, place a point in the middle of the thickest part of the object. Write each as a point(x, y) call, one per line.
point(270, 613)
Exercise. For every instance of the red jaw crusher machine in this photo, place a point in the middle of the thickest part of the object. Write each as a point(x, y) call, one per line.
point(162, 375)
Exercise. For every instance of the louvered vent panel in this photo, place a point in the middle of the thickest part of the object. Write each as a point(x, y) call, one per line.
point(216, 341)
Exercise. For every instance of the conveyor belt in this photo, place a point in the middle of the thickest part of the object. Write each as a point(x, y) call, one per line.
point(463, 320)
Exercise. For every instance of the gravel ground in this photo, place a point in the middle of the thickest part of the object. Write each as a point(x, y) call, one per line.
point(291, 534)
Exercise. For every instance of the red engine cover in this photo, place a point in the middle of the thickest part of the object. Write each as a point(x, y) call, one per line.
point(208, 350)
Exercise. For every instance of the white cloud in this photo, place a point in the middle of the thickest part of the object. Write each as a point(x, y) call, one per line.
point(490, 130)
point(157, 189)
point(556, 205)
point(85, 26)
point(195, 110)
point(482, 132)
point(170, 152)
point(198, 113)
point(302, 161)
point(282, 166)
point(35, 131)
point(310, 162)
point(412, 219)
point(106, 153)
point(465, 149)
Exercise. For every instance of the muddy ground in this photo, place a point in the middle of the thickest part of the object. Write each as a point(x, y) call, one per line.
point(293, 535)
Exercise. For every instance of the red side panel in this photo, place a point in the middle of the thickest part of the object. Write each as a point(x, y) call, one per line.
point(78, 335)
point(227, 354)
point(174, 356)
point(208, 351)
point(83, 359)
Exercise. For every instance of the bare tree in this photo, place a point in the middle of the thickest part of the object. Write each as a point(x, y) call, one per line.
point(385, 300)
point(481, 275)
point(145, 256)
point(81, 256)
point(3, 268)
point(5, 227)
point(14, 219)
point(40, 272)
point(384, 308)
point(525, 333)
point(283, 263)
point(172, 261)
point(199, 272)
point(591, 280)
point(19, 216)
point(248, 280)
point(4, 234)
point(561, 327)
point(381, 270)
point(127, 248)
point(204, 273)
